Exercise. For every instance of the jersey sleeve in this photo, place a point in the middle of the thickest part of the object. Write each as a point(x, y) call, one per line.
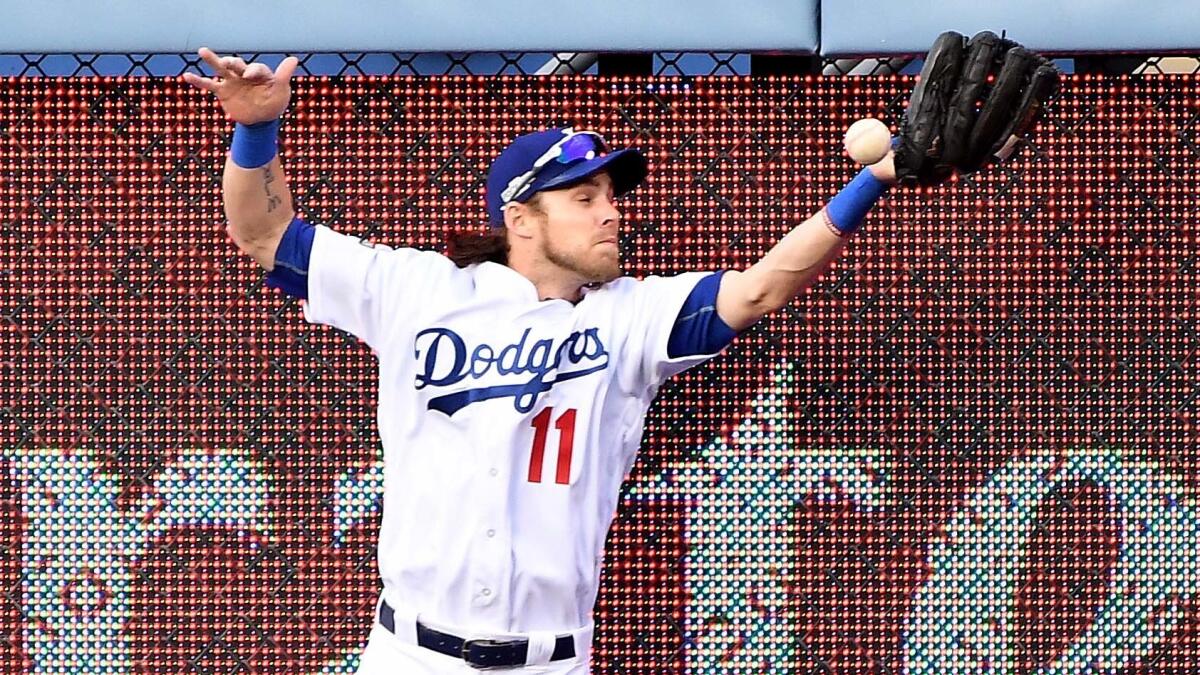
point(360, 287)
point(699, 329)
point(656, 303)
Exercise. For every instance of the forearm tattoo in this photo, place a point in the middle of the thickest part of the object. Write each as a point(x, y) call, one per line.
point(273, 200)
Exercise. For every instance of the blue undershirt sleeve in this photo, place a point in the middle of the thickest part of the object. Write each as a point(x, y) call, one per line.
point(698, 329)
point(290, 274)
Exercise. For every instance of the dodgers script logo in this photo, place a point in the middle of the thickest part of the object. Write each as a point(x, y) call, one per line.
point(444, 359)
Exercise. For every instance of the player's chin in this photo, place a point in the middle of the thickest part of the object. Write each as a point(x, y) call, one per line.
point(605, 268)
point(607, 275)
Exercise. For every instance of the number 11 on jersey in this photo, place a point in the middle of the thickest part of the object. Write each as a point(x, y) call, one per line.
point(565, 424)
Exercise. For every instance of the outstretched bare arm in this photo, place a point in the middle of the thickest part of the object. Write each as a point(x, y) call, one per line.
point(258, 204)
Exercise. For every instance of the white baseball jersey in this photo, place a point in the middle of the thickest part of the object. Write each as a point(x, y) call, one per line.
point(508, 424)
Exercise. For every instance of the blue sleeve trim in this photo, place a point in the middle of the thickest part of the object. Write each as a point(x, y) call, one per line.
point(290, 274)
point(848, 208)
point(699, 329)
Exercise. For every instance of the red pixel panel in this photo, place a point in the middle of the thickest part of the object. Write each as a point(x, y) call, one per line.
point(971, 447)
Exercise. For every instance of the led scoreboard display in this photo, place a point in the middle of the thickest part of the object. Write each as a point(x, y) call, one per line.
point(971, 447)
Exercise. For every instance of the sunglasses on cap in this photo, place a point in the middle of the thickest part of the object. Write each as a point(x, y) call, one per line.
point(575, 146)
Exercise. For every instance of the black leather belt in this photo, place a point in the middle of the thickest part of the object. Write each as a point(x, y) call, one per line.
point(481, 654)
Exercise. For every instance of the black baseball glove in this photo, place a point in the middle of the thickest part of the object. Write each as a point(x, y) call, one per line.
point(959, 121)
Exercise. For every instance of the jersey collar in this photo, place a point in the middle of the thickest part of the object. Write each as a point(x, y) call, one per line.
point(510, 283)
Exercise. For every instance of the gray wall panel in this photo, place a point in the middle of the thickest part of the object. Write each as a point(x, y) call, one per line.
point(174, 26)
point(857, 27)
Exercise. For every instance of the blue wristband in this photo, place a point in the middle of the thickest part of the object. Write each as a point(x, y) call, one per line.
point(255, 145)
point(845, 212)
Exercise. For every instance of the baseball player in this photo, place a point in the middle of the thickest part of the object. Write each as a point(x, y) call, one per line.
point(515, 373)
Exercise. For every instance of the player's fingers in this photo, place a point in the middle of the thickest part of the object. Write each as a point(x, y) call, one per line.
point(284, 72)
point(257, 72)
point(210, 57)
point(235, 64)
point(205, 83)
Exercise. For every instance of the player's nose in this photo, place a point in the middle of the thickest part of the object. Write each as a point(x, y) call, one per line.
point(611, 216)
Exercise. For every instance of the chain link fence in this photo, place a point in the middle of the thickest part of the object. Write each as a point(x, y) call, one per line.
point(681, 64)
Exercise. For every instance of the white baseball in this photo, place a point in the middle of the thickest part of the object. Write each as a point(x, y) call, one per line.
point(868, 141)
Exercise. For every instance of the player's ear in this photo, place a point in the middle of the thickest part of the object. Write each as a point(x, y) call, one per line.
point(518, 219)
point(511, 216)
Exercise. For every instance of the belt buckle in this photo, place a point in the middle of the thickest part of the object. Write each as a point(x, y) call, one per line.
point(484, 642)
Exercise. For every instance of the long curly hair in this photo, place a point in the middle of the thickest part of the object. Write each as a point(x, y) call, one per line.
point(468, 247)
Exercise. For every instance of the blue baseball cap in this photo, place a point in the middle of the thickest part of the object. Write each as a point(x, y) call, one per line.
point(557, 158)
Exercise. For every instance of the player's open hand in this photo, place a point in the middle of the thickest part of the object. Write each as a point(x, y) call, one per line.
point(249, 93)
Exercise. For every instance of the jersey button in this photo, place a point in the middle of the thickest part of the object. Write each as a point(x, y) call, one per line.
point(491, 533)
point(494, 471)
point(486, 592)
